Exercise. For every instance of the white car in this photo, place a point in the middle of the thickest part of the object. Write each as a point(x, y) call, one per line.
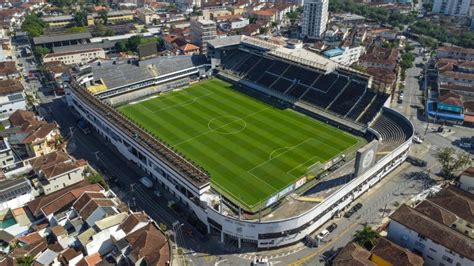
point(323, 234)
point(417, 139)
point(146, 182)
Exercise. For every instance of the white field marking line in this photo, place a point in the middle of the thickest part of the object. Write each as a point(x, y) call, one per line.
point(205, 133)
point(277, 149)
point(227, 133)
point(190, 101)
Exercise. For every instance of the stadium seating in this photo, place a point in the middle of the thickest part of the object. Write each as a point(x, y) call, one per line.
point(393, 134)
point(246, 65)
point(373, 109)
point(361, 105)
point(325, 82)
point(281, 85)
point(278, 67)
point(348, 98)
point(301, 74)
point(297, 91)
point(267, 79)
point(232, 59)
point(257, 71)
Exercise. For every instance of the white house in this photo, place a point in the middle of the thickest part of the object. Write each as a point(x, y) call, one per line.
point(12, 97)
point(15, 193)
point(440, 228)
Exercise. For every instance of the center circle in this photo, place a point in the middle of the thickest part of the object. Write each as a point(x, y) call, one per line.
point(228, 124)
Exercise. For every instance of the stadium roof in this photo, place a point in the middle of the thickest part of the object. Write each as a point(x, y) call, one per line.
point(104, 45)
point(122, 73)
point(63, 37)
point(227, 41)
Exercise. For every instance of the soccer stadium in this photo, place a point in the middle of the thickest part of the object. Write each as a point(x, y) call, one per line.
point(262, 142)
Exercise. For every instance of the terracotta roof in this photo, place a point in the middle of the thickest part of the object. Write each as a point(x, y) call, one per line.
point(456, 201)
point(380, 55)
point(32, 249)
point(455, 50)
point(133, 220)
point(353, 255)
point(265, 12)
point(85, 198)
point(150, 244)
point(30, 238)
point(469, 172)
point(91, 260)
point(7, 261)
point(20, 117)
point(92, 205)
point(54, 164)
point(68, 255)
point(58, 230)
point(55, 198)
point(396, 255)
point(437, 232)
point(10, 86)
point(189, 47)
point(8, 68)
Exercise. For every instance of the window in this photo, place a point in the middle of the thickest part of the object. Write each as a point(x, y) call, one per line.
point(432, 250)
point(420, 245)
point(429, 257)
point(448, 259)
point(422, 236)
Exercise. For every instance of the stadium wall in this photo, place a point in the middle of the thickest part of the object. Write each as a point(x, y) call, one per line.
point(265, 234)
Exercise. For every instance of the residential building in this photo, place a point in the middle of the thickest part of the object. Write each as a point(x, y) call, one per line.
point(345, 55)
point(62, 40)
point(8, 70)
point(15, 193)
point(457, 53)
point(452, 7)
point(384, 252)
point(12, 97)
point(6, 154)
point(75, 57)
point(440, 228)
point(379, 57)
point(456, 72)
point(315, 17)
point(57, 170)
point(32, 137)
point(178, 45)
point(146, 15)
point(202, 31)
point(266, 15)
point(466, 180)
point(94, 206)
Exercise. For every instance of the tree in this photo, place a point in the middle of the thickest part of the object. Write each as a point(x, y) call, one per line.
point(41, 51)
point(133, 43)
point(292, 17)
point(103, 15)
point(26, 260)
point(366, 237)
point(252, 19)
point(121, 46)
point(33, 25)
point(101, 30)
point(452, 161)
point(76, 29)
point(80, 18)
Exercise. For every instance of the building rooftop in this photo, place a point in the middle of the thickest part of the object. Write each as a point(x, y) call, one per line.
point(8, 186)
point(63, 37)
point(434, 230)
point(333, 52)
point(54, 164)
point(10, 86)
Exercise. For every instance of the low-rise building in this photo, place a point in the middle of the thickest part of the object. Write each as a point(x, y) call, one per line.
point(12, 97)
point(15, 193)
point(345, 55)
point(384, 252)
point(6, 154)
point(466, 180)
point(266, 15)
point(32, 137)
point(457, 53)
point(57, 170)
point(440, 228)
point(457, 72)
point(8, 70)
point(378, 57)
point(75, 57)
point(146, 15)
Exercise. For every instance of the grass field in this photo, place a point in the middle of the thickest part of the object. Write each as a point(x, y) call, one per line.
point(251, 149)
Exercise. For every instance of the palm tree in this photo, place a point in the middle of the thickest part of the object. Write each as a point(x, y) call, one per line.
point(366, 237)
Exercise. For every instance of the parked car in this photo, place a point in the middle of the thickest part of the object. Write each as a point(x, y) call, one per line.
point(349, 213)
point(417, 139)
point(331, 227)
point(357, 207)
point(146, 182)
point(323, 234)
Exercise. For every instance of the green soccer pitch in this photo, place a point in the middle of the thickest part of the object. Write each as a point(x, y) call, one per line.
point(252, 150)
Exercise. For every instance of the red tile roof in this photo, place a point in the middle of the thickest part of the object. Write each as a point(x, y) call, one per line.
point(150, 244)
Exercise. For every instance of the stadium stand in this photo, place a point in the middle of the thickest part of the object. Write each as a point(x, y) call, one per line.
point(278, 67)
point(231, 60)
point(297, 91)
point(281, 85)
point(373, 108)
point(246, 65)
point(324, 83)
point(348, 98)
point(393, 133)
point(361, 105)
point(259, 69)
point(303, 75)
point(267, 79)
